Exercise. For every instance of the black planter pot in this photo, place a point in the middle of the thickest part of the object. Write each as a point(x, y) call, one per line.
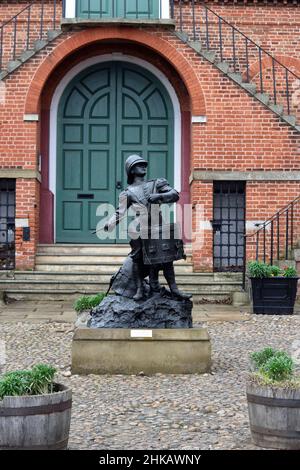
point(274, 295)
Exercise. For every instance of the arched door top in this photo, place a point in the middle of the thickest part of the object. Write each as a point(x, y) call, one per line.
point(107, 112)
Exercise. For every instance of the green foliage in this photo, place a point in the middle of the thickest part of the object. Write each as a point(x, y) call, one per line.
point(87, 302)
point(259, 269)
point(274, 271)
point(289, 271)
point(273, 365)
point(279, 367)
point(37, 381)
point(259, 358)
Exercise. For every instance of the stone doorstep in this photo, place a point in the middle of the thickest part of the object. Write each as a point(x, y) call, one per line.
point(169, 351)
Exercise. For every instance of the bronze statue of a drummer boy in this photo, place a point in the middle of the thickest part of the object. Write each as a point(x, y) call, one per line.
point(157, 244)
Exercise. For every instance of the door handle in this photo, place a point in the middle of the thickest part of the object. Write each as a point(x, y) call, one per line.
point(119, 185)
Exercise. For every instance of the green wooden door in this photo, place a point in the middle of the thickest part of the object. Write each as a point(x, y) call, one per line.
point(131, 9)
point(106, 113)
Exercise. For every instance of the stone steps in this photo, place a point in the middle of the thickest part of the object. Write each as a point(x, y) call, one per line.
point(65, 272)
point(97, 268)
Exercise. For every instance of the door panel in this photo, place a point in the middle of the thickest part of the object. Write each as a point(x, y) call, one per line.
point(229, 225)
point(107, 113)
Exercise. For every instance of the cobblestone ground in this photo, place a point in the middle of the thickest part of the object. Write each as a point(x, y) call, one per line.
point(160, 412)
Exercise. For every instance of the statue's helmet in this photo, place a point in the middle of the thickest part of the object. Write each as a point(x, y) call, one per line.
point(129, 164)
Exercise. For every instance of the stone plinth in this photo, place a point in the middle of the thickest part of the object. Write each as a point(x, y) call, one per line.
point(125, 351)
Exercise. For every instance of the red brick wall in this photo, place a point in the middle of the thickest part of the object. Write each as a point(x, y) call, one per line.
point(240, 134)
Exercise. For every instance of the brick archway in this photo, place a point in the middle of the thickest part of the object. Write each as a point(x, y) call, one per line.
point(86, 37)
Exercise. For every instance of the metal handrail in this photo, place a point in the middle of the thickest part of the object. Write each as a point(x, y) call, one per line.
point(281, 238)
point(28, 20)
point(251, 41)
point(228, 46)
point(273, 217)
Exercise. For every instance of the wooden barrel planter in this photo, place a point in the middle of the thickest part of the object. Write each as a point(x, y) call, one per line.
point(274, 416)
point(36, 422)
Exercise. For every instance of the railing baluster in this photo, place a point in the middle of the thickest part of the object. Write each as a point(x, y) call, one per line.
point(272, 242)
point(292, 226)
point(233, 49)
point(194, 23)
point(28, 27)
point(42, 20)
point(247, 60)
point(278, 236)
point(54, 15)
point(1, 46)
point(149, 8)
point(180, 14)
point(287, 235)
point(172, 9)
point(287, 90)
point(136, 9)
point(274, 80)
point(101, 8)
point(15, 38)
point(264, 245)
point(206, 28)
point(220, 39)
point(260, 71)
point(257, 246)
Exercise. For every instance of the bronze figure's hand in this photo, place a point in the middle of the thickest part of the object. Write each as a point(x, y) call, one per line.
point(154, 198)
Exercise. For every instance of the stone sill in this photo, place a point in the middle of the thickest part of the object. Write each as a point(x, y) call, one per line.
point(68, 24)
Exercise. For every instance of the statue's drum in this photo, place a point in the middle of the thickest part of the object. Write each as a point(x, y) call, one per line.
point(162, 244)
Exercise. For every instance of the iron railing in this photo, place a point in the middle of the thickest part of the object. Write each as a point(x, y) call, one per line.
point(7, 223)
point(277, 236)
point(19, 33)
point(243, 55)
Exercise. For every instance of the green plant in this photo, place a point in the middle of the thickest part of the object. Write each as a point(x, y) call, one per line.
point(87, 302)
point(289, 271)
point(272, 365)
point(279, 367)
point(259, 269)
point(37, 381)
point(274, 271)
point(259, 358)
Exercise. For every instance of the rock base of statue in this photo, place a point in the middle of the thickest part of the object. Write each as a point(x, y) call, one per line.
point(160, 310)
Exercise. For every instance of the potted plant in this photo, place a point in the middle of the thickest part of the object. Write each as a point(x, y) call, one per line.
point(273, 394)
point(273, 290)
point(35, 412)
point(84, 305)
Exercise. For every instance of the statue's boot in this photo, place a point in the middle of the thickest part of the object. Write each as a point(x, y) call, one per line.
point(153, 280)
point(138, 279)
point(169, 274)
point(139, 294)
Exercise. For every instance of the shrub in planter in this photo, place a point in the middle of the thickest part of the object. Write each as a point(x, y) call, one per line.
point(35, 412)
point(273, 394)
point(273, 290)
